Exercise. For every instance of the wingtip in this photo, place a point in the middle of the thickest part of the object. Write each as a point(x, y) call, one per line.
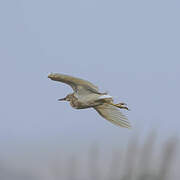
point(129, 127)
point(50, 75)
point(126, 125)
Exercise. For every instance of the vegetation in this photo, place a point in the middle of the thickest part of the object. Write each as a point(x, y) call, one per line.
point(147, 161)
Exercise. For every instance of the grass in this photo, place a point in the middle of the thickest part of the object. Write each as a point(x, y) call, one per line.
point(147, 161)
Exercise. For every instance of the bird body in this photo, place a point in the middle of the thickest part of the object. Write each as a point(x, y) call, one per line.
point(88, 101)
point(86, 95)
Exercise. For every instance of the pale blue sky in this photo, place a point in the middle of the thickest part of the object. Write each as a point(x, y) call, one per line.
point(129, 48)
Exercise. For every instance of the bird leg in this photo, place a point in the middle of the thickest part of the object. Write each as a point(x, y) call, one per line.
point(120, 105)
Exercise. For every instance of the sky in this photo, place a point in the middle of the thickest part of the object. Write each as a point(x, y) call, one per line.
point(128, 48)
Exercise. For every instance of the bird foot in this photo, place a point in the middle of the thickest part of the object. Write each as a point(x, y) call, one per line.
point(121, 106)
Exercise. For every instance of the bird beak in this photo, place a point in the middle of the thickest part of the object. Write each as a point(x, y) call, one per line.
point(62, 99)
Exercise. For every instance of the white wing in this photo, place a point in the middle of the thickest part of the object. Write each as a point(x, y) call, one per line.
point(113, 114)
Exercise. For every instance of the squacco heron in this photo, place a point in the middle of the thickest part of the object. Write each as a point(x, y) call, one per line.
point(86, 95)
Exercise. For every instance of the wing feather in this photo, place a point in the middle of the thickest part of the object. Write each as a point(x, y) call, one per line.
point(77, 84)
point(113, 114)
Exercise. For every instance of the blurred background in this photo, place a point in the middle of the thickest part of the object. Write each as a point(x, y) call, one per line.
point(128, 48)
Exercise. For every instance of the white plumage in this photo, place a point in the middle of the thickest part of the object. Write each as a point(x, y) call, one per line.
point(105, 96)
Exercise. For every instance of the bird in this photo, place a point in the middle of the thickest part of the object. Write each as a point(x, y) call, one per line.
point(87, 95)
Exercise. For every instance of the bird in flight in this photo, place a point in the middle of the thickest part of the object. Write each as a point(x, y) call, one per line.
point(86, 95)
